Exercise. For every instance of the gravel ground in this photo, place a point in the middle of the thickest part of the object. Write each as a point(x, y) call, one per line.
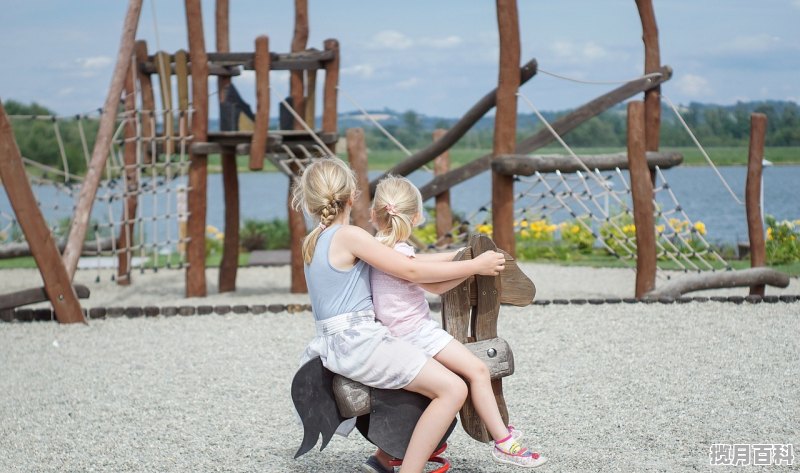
point(643, 387)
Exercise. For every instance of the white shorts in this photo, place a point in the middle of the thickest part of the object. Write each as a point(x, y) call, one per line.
point(428, 336)
point(358, 347)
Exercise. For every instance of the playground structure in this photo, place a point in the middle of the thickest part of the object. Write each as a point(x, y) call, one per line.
point(183, 142)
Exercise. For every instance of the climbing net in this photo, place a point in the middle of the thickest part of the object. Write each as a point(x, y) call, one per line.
point(139, 215)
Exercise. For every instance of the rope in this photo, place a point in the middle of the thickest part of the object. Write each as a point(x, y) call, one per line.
point(702, 151)
point(375, 122)
point(303, 123)
point(651, 75)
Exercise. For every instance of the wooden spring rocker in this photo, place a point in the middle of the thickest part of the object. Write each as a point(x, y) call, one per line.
point(387, 417)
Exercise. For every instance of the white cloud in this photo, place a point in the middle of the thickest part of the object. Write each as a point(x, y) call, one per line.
point(796, 3)
point(442, 43)
point(66, 91)
point(752, 44)
point(390, 39)
point(364, 71)
point(408, 83)
point(693, 85)
point(94, 63)
point(572, 52)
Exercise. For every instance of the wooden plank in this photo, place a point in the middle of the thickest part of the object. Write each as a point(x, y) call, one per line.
point(182, 75)
point(652, 62)
point(357, 155)
point(165, 89)
point(444, 213)
point(642, 196)
point(456, 308)
point(330, 97)
point(102, 144)
point(543, 137)
point(311, 99)
point(719, 280)
point(752, 194)
point(131, 182)
point(53, 270)
point(258, 142)
point(523, 165)
point(517, 288)
point(198, 167)
point(150, 67)
point(308, 59)
point(148, 102)
point(461, 127)
point(299, 42)
point(229, 265)
point(505, 124)
point(34, 296)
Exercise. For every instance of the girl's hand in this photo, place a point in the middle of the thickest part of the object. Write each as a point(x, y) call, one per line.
point(490, 263)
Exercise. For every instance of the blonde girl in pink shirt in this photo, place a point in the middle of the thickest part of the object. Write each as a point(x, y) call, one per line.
point(402, 307)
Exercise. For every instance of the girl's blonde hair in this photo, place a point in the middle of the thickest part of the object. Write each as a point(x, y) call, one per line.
point(396, 209)
point(323, 191)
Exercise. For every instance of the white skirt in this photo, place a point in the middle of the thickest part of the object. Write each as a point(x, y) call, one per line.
point(358, 347)
point(429, 337)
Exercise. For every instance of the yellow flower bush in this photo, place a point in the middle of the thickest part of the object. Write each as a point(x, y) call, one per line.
point(214, 239)
point(783, 244)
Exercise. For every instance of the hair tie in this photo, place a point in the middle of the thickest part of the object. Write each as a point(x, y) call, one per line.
point(391, 209)
point(322, 226)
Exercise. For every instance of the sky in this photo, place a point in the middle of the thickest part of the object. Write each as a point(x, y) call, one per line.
point(434, 57)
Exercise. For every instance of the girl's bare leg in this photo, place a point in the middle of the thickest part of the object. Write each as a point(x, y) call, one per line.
point(457, 358)
point(447, 393)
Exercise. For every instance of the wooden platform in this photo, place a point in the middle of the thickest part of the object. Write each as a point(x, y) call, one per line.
point(270, 258)
point(276, 140)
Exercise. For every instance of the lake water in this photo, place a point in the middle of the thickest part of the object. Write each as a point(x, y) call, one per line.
point(263, 196)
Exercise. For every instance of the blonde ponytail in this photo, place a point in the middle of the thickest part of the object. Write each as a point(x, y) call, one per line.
point(322, 192)
point(396, 209)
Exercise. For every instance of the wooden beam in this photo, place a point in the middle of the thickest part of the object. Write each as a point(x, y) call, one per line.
point(198, 167)
point(182, 74)
point(299, 42)
point(53, 270)
point(34, 296)
point(524, 165)
point(562, 126)
point(311, 99)
point(459, 129)
point(131, 182)
point(357, 155)
point(309, 59)
point(505, 124)
point(102, 144)
point(719, 280)
point(165, 87)
point(752, 193)
point(148, 102)
point(642, 196)
point(330, 97)
point(652, 62)
point(444, 213)
point(258, 143)
point(229, 265)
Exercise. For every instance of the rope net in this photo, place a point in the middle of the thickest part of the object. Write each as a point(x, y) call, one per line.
point(139, 214)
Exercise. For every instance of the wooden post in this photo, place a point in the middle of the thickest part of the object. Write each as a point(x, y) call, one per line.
point(54, 273)
point(164, 68)
point(444, 214)
point(642, 196)
point(357, 154)
point(148, 101)
point(752, 193)
point(182, 76)
point(102, 144)
point(131, 182)
point(229, 265)
point(329, 94)
point(505, 124)
point(258, 143)
point(299, 42)
point(198, 168)
point(652, 63)
point(311, 98)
